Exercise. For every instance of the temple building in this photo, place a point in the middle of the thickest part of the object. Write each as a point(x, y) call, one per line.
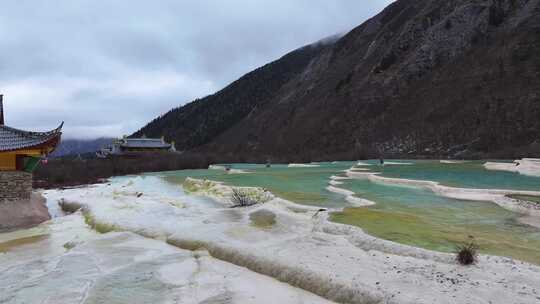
point(133, 146)
point(20, 153)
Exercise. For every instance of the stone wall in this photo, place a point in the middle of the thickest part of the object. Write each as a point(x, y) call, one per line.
point(15, 185)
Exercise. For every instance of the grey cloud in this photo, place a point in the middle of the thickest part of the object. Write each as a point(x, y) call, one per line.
point(108, 67)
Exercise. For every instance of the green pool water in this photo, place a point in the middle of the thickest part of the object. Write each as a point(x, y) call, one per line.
point(466, 175)
point(406, 215)
point(300, 185)
point(418, 217)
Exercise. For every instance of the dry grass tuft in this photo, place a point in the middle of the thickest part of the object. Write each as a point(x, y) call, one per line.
point(241, 198)
point(467, 254)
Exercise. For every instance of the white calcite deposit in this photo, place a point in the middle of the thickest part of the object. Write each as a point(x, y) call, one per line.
point(303, 165)
point(300, 248)
point(525, 166)
point(65, 262)
point(498, 196)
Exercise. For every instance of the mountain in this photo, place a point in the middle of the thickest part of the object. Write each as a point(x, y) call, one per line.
point(76, 146)
point(202, 120)
point(423, 78)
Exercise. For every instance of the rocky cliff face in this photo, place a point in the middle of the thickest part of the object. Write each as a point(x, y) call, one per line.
point(428, 78)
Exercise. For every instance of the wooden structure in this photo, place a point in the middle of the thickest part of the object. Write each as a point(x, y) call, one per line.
point(133, 146)
point(22, 150)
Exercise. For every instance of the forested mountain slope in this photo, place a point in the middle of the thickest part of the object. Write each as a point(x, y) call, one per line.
point(430, 78)
point(204, 119)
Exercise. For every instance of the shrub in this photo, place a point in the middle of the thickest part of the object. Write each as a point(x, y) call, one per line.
point(70, 172)
point(467, 254)
point(241, 198)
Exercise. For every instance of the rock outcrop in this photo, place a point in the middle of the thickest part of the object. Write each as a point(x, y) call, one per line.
point(23, 213)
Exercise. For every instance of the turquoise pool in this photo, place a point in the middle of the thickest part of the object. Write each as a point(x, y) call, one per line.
point(406, 215)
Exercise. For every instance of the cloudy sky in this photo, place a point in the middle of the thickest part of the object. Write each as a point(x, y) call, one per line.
point(107, 67)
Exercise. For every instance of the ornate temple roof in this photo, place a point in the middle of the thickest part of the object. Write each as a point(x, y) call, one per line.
point(148, 143)
point(12, 139)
